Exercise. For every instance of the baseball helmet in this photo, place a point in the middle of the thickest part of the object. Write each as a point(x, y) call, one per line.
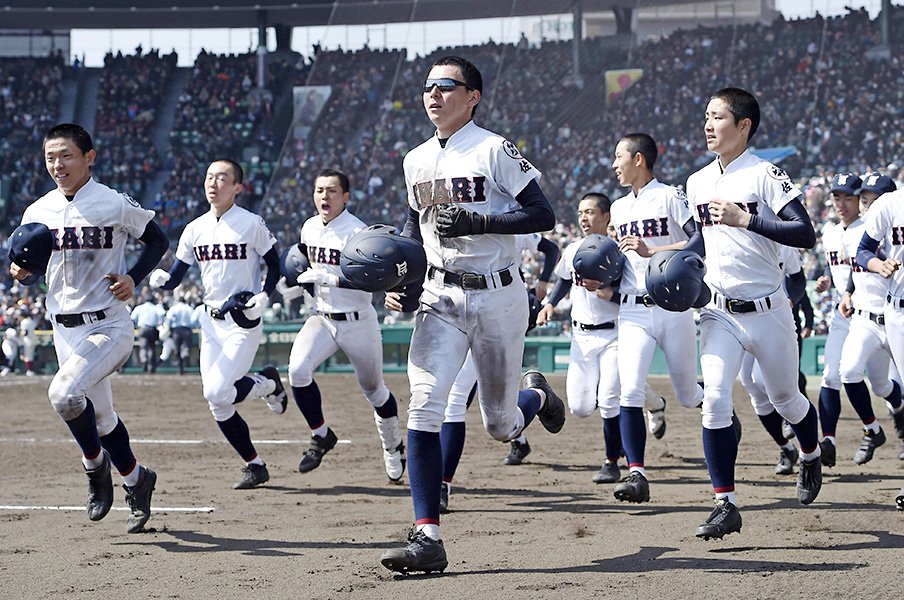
point(377, 259)
point(30, 247)
point(534, 308)
point(598, 258)
point(293, 263)
point(675, 280)
point(236, 305)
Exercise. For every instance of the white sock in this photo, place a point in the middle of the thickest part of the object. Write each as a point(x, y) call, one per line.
point(521, 439)
point(788, 446)
point(873, 427)
point(132, 478)
point(320, 431)
point(640, 470)
point(257, 460)
point(808, 456)
point(830, 439)
point(93, 463)
point(730, 496)
point(430, 530)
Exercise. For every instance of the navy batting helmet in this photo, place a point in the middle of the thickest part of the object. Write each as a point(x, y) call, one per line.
point(293, 263)
point(377, 259)
point(598, 258)
point(236, 305)
point(675, 280)
point(30, 247)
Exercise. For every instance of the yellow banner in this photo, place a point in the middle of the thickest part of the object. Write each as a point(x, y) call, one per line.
point(620, 80)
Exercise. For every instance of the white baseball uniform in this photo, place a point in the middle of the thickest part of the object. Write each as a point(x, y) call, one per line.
point(91, 233)
point(656, 213)
point(749, 310)
point(840, 271)
point(343, 319)
point(27, 327)
point(483, 172)
point(228, 250)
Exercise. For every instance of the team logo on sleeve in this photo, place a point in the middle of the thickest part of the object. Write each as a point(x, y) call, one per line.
point(130, 200)
point(511, 150)
point(777, 173)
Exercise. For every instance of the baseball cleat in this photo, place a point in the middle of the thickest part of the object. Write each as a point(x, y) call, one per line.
point(138, 497)
point(608, 473)
point(634, 488)
point(394, 461)
point(422, 553)
point(809, 480)
point(656, 421)
point(320, 445)
point(786, 459)
point(518, 453)
point(253, 475)
point(278, 400)
point(725, 519)
point(901, 454)
point(827, 457)
point(552, 415)
point(787, 430)
point(898, 419)
point(868, 446)
point(444, 493)
point(899, 501)
point(100, 489)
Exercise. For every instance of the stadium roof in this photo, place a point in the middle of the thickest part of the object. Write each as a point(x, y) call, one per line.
point(121, 14)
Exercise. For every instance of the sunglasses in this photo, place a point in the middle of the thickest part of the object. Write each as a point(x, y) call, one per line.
point(445, 84)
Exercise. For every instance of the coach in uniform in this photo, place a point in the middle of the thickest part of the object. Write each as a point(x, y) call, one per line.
point(88, 286)
point(469, 193)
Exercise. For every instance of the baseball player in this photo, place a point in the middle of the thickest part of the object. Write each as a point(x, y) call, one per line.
point(29, 341)
point(87, 287)
point(10, 347)
point(876, 325)
point(470, 191)
point(148, 316)
point(343, 319)
point(652, 217)
point(228, 243)
point(180, 320)
point(747, 208)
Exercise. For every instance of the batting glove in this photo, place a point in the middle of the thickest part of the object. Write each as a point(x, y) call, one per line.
point(454, 221)
point(159, 278)
point(254, 308)
point(319, 278)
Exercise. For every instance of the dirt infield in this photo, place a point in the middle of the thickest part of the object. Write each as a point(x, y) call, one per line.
point(540, 530)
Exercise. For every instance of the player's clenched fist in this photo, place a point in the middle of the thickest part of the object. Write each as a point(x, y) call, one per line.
point(255, 307)
point(545, 315)
point(319, 277)
point(123, 286)
point(728, 213)
point(454, 221)
point(887, 267)
point(158, 278)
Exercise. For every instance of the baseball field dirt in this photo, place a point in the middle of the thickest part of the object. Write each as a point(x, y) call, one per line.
point(538, 530)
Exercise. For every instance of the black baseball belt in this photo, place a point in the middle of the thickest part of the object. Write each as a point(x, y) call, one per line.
point(350, 316)
point(645, 300)
point(875, 318)
point(594, 327)
point(471, 281)
point(79, 319)
point(896, 302)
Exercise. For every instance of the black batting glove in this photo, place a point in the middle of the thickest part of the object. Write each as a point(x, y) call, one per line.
point(454, 221)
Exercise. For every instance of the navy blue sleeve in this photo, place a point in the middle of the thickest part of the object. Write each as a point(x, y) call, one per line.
point(535, 214)
point(806, 307)
point(559, 291)
point(271, 258)
point(694, 231)
point(794, 229)
point(550, 251)
point(177, 273)
point(412, 227)
point(155, 246)
point(796, 286)
point(867, 250)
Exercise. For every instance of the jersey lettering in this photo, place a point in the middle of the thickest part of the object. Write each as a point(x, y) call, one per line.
point(833, 258)
point(325, 256)
point(83, 238)
point(645, 228)
point(707, 220)
point(447, 191)
point(856, 268)
point(220, 252)
point(897, 236)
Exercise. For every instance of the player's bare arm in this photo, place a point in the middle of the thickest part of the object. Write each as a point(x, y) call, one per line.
point(886, 268)
point(636, 243)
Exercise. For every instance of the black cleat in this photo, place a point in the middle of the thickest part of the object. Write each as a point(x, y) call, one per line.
point(252, 476)
point(786, 459)
point(633, 489)
point(518, 453)
point(608, 473)
point(868, 446)
point(421, 554)
point(736, 423)
point(899, 501)
point(725, 519)
point(444, 493)
point(656, 421)
point(898, 419)
point(278, 400)
point(552, 415)
point(319, 447)
point(827, 457)
point(809, 480)
point(138, 497)
point(901, 454)
point(100, 489)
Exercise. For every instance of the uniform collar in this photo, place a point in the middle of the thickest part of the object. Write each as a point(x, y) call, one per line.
point(742, 159)
point(458, 135)
point(82, 191)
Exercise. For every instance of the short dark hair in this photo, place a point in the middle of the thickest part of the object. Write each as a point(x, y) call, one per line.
point(71, 131)
point(470, 74)
point(742, 105)
point(343, 178)
point(645, 144)
point(602, 200)
point(237, 170)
